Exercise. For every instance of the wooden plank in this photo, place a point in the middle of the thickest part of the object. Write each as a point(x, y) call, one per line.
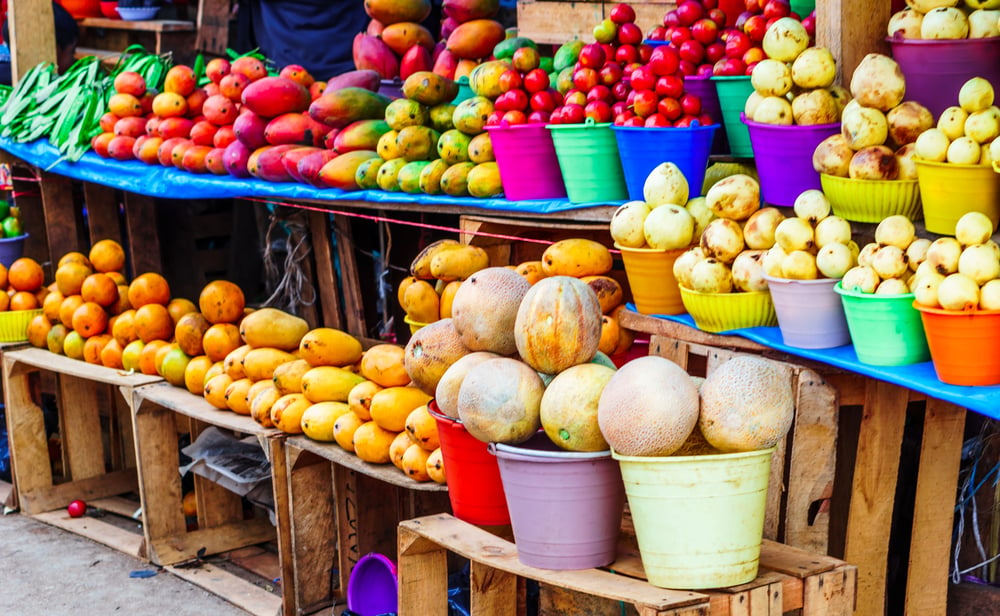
point(29, 451)
point(30, 359)
point(325, 275)
point(213, 26)
point(144, 239)
point(934, 509)
point(813, 464)
point(95, 529)
point(230, 587)
point(557, 22)
point(670, 329)
point(102, 212)
point(422, 574)
point(345, 493)
point(851, 29)
point(61, 222)
point(385, 473)
point(32, 35)
point(492, 590)
point(354, 308)
point(674, 350)
point(145, 25)
point(80, 427)
point(48, 498)
point(217, 506)
point(282, 507)
point(312, 513)
point(125, 507)
point(179, 548)
point(831, 593)
point(873, 492)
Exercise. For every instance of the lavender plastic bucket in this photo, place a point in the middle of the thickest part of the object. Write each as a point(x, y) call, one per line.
point(529, 168)
point(810, 313)
point(565, 506)
point(705, 89)
point(784, 158)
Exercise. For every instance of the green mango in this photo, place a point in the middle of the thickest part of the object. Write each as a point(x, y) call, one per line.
point(416, 143)
point(471, 115)
point(455, 180)
point(453, 146)
point(388, 174)
point(506, 48)
point(430, 176)
point(404, 112)
point(408, 177)
point(567, 54)
point(483, 180)
point(440, 117)
point(367, 174)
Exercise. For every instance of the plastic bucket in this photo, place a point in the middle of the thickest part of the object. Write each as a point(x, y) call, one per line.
point(810, 313)
point(373, 587)
point(650, 274)
point(464, 90)
point(784, 158)
point(965, 346)
point(529, 168)
point(641, 149)
point(11, 249)
point(802, 8)
point(948, 191)
point(699, 520)
point(705, 90)
point(720, 312)
point(474, 486)
point(732, 93)
point(936, 69)
point(886, 329)
point(565, 506)
point(871, 200)
point(588, 159)
point(393, 88)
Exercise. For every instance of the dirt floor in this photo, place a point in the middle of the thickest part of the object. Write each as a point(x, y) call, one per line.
point(49, 571)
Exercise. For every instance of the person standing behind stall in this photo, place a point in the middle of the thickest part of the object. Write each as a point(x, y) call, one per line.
point(67, 37)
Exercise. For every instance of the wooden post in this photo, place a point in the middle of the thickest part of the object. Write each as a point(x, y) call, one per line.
point(32, 35)
point(851, 29)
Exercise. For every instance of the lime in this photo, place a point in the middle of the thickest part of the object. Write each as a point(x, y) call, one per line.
point(4, 209)
point(11, 227)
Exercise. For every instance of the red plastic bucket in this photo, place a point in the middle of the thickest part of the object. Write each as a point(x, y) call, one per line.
point(784, 158)
point(529, 168)
point(936, 69)
point(474, 485)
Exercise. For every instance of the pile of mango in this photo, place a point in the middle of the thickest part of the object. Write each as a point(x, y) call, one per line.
point(435, 275)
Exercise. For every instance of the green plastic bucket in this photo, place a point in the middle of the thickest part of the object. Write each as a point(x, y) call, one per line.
point(589, 161)
point(699, 520)
point(886, 329)
point(733, 93)
point(802, 8)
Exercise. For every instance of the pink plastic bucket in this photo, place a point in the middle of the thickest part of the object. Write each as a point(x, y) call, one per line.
point(936, 69)
point(527, 160)
point(810, 313)
point(565, 506)
point(474, 486)
point(784, 158)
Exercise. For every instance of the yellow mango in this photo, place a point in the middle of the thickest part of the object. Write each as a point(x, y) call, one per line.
point(287, 378)
point(259, 364)
point(318, 420)
point(609, 291)
point(326, 346)
point(270, 327)
point(391, 406)
point(459, 264)
point(577, 257)
point(383, 363)
point(287, 411)
point(329, 383)
point(420, 267)
point(421, 302)
point(233, 363)
point(260, 406)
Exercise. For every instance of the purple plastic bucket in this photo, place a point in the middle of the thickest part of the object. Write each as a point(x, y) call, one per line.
point(12, 249)
point(936, 69)
point(704, 88)
point(810, 313)
point(529, 168)
point(784, 158)
point(373, 587)
point(565, 506)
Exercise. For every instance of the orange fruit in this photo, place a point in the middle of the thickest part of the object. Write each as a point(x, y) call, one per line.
point(70, 277)
point(67, 308)
point(4, 302)
point(26, 274)
point(130, 354)
point(194, 374)
point(189, 331)
point(41, 294)
point(123, 328)
point(93, 347)
point(38, 331)
point(180, 306)
point(153, 322)
point(221, 301)
point(107, 256)
point(118, 277)
point(122, 304)
point(73, 257)
point(189, 504)
point(73, 345)
point(100, 289)
point(148, 288)
point(23, 300)
point(147, 356)
point(89, 319)
point(111, 355)
point(3, 276)
point(220, 340)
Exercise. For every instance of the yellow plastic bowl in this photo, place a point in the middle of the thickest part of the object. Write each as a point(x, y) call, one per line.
point(871, 200)
point(948, 191)
point(414, 325)
point(14, 324)
point(719, 312)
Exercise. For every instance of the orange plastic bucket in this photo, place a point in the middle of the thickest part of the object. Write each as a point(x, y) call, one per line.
point(965, 346)
point(650, 274)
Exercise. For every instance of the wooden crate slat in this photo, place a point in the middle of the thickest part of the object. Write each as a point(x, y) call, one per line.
point(102, 212)
point(232, 588)
point(185, 546)
point(39, 359)
point(95, 529)
point(51, 497)
point(145, 25)
point(312, 513)
point(80, 426)
point(558, 22)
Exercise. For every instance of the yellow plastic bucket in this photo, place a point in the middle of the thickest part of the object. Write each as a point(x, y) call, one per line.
point(650, 274)
point(699, 520)
point(948, 191)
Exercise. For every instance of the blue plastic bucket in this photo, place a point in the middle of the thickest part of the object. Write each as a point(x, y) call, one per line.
point(641, 149)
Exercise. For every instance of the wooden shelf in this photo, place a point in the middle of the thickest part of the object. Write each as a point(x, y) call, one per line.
point(148, 25)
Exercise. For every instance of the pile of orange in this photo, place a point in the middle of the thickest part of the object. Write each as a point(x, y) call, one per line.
point(24, 283)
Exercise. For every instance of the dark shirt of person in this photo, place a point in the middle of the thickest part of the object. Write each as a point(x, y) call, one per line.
point(67, 36)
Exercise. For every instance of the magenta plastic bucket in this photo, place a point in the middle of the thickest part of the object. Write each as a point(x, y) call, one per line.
point(936, 69)
point(474, 486)
point(784, 158)
point(642, 149)
point(810, 313)
point(373, 587)
point(529, 168)
point(704, 88)
point(565, 506)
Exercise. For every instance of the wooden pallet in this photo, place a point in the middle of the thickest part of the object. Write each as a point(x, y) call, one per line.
point(341, 508)
point(789, 579)
point(861, 484)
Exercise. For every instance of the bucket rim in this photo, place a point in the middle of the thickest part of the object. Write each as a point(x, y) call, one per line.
point(657, 129)
point(899, 40)
point(730, 77)
point(432, 408)
point(515, 127)
point(741, 293)
point(380, 565)
point(856, 182)
point(409, 321)
point(936, 165)
point(589, 124)
point(807, 283)
point(16, 238)
point(839, 288)
point(663, 251)
point(687, 459)
point(955, 313)
point(783, 127)
point(505, 450)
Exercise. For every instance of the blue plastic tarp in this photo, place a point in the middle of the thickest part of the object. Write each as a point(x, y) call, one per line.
point(156, 181)
point(918, 377)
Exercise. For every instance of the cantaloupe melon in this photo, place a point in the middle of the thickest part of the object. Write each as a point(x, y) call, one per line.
point(558, 324)
point(430, 351)
point(446, 392)
point(648, 408)
point(500, 400)
point(747, 404)
point(485, 307)
point(569, 407)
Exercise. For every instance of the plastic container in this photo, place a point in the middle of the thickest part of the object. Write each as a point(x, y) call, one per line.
point(948, 191)
point(936, 69)
point(784, 158)
point(810, 313)
point(474, 486)
point(109, 10)
point(82, 9)
point(719, 312)
point(464, 90)
point(802, 8)
point(393, 88)
point(14, 324)
point(12, 249)
point(373, 587)
point(965, 346)
point(588, 158)
point(886, 329)
point(705, 90)
point(529, 168)
point(650, 274)
point(642, 149)
point(699, 520)
point(871, 200)
point(414, 325)
point(565, 506)
point(732, 93)
point(138, 13)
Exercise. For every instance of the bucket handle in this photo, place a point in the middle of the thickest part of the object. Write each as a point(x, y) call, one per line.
point(492, 448)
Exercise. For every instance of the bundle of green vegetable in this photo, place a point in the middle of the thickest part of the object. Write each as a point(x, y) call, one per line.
point(67, 108)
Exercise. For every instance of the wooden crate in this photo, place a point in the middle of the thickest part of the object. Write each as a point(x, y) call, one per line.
point(555, 23)
point(845, 455)
point(790, 579)
point(341, 508)
point(98, 461)
point(163, 411)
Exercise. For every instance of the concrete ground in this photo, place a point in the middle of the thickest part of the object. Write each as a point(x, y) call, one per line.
point(52, 572)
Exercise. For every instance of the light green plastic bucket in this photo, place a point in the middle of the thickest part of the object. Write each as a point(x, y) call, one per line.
point(699, 520)
point(733, 93)
point(886, 329)
point(589, 161)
